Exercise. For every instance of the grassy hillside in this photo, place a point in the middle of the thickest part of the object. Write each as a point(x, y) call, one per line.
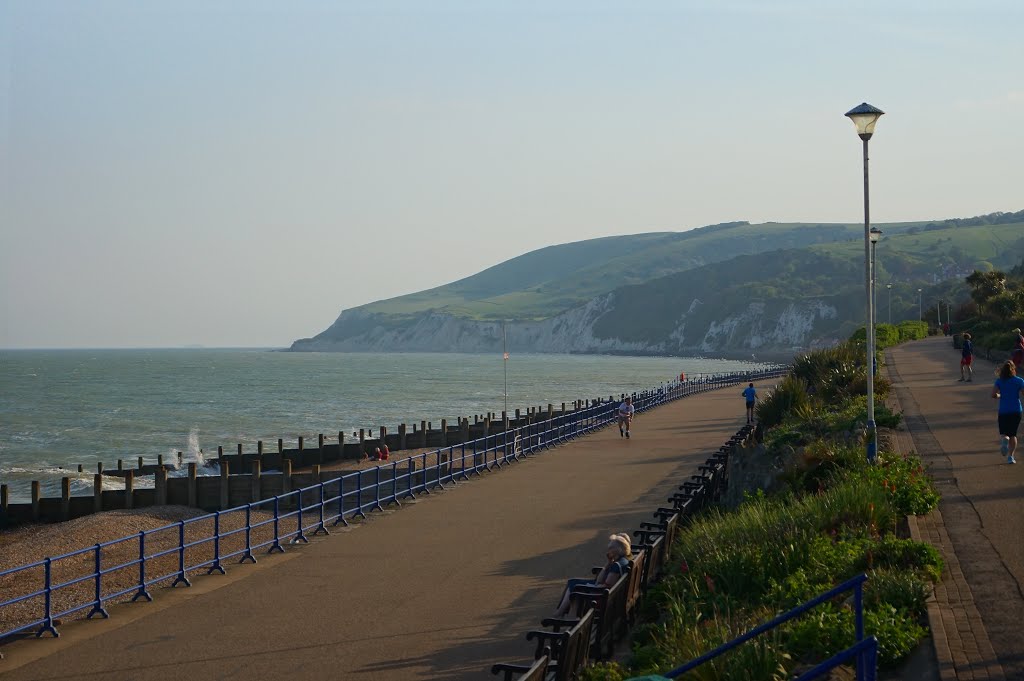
point(543, 283)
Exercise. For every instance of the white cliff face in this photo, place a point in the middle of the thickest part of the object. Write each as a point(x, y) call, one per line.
point(573, 331)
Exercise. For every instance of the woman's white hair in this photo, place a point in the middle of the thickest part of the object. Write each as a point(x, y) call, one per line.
point(621, 543)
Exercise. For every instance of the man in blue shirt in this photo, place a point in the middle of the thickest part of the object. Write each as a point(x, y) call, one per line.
point(750, 395)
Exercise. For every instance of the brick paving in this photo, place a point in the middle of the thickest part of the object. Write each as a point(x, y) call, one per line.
point(976, 612)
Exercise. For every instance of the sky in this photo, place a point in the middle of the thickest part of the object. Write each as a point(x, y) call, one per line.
point(234, 174)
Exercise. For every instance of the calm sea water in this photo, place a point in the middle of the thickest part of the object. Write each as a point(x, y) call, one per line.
point(61, 408)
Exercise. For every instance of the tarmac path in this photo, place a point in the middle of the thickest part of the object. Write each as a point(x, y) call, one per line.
point(980, 522)
point(439, 589)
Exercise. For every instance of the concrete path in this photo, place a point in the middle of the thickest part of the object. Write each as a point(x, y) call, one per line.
point(437, 590)
point(978, 610)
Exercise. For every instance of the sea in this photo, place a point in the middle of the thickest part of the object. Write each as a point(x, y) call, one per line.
point(63, 408)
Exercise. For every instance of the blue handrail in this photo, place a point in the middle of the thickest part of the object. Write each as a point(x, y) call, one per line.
point(855, 584)
point(484, 454)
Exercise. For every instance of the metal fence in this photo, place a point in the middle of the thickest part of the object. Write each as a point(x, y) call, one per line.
point(865, 650)
point(170, 553)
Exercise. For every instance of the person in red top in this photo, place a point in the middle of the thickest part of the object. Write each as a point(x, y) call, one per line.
point(1018, 350)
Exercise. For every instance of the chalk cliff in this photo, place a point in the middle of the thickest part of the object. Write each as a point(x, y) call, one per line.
point(755, 328)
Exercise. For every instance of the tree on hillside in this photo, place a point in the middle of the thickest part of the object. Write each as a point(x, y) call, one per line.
point(985, 286)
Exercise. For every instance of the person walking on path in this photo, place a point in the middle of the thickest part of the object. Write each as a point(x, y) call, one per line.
point(750, 395)
point(1007, 389)
point(625, 416)
point(966, 358)
point(1018, 349)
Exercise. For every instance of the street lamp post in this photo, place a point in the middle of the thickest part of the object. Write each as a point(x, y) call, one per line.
point(874, 235)
point(889, 286)
point(920, 311)
point(865, 117)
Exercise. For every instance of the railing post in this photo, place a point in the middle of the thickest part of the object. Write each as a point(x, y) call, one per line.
point(300, 535)
point(858, 624)
point(276, 546)
point(248, 536)
point(410, 473)
point(340, 520)
point(181, 578)
point(97, 606)
point(142, 592)
point(321, 527)
point(47, 605)
point(216, 546)
point(376, 490)
point(359, 496)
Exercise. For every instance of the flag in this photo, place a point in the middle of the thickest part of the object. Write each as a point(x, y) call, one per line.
point(506, 356)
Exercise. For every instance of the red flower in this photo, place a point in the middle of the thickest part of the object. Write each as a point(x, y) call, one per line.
point(683, 567)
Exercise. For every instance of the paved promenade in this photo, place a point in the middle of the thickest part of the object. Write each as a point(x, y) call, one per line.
point(437, 590)
point(977, 614)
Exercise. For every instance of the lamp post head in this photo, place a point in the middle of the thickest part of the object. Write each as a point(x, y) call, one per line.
point(864, 117)
point(888, 286)
point(875, 234)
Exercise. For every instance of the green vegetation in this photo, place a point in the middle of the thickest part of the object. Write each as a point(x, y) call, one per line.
point(831, 517)
point(998, 299)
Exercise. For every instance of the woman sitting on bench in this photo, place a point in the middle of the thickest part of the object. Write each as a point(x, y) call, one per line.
point(618, 555)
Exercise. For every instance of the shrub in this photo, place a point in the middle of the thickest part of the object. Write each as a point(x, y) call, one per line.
point(910, 330)
point(788, 395)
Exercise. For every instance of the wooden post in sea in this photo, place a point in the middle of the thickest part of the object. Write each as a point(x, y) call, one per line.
point(444, 432)
point(193, 492)
point(97, 493)
point(286, 475)
point(181, 459)
point(99, 466)
point(4, 498)
point(401, 436)
point(341, 445)
point(239, 449)
point(320, 448)
point(65, 498)
point(35, 500)
point(259, 447)
point(159, 460)
point(79, 468)
point(160, 485)
point(129, 490)
point(256, 492)
point(120, 465)
point(301, 447)
point(464, 427)
point(225, 484)
point(280, 446)
point(423, 432)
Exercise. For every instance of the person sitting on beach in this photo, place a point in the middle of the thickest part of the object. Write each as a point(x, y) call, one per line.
point(626, 416)
point(618, 555)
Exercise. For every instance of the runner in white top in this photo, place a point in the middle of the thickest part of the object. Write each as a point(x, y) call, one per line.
point(625, 416)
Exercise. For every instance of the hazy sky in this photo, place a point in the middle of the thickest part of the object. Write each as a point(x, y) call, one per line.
point(237, 173)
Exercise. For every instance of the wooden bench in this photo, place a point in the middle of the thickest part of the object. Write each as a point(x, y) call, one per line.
point(656, 550)
point(527, 672)
point(613, 606)
point(569, 642)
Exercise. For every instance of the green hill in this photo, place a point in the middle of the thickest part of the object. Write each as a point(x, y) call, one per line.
point(646, 286)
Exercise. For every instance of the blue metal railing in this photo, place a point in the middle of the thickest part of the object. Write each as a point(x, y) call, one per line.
point(312, 508)
point(863, 651)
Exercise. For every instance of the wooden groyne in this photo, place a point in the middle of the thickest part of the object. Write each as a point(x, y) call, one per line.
point(232, 479)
